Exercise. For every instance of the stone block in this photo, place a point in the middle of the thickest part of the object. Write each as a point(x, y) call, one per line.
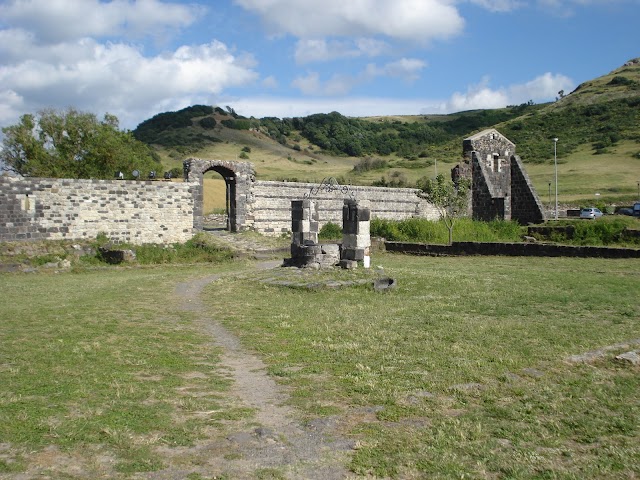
point(331, 249)
point(353, 254)
point(348, 264)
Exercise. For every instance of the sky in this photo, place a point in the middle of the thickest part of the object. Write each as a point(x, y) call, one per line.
point(285, 58)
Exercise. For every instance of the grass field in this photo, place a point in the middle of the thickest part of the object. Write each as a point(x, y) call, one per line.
point(462, 371)
point(614, 176)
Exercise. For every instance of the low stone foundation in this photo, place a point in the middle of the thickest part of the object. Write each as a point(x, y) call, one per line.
point(512, 249)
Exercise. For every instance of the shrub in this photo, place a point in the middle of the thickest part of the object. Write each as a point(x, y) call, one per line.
point(387, 229)
point(330, 231)
point(200, 249)
point(208, 123)
point(367, 164)
point(427, 231)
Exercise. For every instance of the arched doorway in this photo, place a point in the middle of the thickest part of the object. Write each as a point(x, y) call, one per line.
point(238, 177)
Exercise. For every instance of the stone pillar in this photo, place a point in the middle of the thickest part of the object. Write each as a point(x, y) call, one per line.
point(304, 232)
point(304, 222)
point(356, 238)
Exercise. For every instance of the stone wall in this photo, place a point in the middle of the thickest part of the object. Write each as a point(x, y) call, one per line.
point(126, 211)
point(269, 205)
point(512, 249)
point(525, 204)
point(500, 186)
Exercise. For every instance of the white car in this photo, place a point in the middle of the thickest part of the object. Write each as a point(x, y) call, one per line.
point(590, 213)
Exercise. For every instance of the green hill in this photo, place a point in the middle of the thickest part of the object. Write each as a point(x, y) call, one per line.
point(598, 126)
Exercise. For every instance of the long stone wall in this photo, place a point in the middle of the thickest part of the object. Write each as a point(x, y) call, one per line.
point(269, 205)
point(126, 211)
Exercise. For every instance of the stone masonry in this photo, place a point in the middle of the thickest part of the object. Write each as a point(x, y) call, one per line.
point(499, 184)
point(356, 237)
point(269, 204)
point(307, 252)
point(126, 211)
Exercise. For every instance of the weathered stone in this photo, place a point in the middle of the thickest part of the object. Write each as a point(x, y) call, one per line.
point(500, 187)
point(629, 357)
point(115, 256)
point(348, 264)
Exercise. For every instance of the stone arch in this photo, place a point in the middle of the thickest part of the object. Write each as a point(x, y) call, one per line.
point(238, 177)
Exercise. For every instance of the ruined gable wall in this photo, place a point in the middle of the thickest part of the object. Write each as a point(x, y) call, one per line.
point(526, 206)
point(127, 211)
point(483, 203)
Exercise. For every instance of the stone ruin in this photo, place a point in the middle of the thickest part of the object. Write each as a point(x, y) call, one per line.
point(306, 252)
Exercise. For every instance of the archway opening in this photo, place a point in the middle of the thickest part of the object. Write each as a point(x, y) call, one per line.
point(218, 196)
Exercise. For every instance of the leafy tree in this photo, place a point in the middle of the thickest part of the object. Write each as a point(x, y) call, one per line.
point(207, 123)
point(73, 144)
point(451, 199)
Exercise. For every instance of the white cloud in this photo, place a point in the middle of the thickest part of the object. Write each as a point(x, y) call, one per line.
point(411, 20)
point(270, 82)
point(499, 5)
point(544, 87)
point(54, 21)
point(340, 84)
point(350, 106)
point(407, 69)
point(322, 50)
point(335, 86)
point(541, 89)
point(117, 78)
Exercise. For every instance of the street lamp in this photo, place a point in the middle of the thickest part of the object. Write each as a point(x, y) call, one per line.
point(555, 163)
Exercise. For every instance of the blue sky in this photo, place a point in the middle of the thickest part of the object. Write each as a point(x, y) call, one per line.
point(283, 58)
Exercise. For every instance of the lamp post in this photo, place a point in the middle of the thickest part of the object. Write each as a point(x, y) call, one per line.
point(555, 163)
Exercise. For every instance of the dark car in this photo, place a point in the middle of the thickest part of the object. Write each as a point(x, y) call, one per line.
point(625, 211)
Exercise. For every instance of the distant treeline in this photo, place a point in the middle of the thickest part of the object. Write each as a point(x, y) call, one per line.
point(528, 125)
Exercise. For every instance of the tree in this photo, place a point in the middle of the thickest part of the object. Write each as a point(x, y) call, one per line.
point(451, 199)
point(72, 144)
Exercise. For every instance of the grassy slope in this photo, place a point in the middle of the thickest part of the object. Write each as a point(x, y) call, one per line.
point(614, 174)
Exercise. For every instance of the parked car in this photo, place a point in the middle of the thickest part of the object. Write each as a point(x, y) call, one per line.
point(625, 211)
point(590, 213)
point(636, 209)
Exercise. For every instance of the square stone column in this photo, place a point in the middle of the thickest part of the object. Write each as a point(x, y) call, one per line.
point(304, 222)
point(356, 237)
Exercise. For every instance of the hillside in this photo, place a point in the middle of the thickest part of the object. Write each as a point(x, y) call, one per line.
point(598, 126)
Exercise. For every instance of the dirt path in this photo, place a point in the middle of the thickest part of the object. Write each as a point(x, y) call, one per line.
point(275, 440)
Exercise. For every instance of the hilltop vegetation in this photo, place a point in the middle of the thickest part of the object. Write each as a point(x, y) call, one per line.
point(597, 123)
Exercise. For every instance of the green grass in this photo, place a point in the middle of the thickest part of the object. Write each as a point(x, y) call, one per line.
point(462, 371)
point(465, 230)
point(98, 361)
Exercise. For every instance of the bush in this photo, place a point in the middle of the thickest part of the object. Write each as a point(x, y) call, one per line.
point(330, 231)
point(176, 172)
point(199, 249)
point(208, 123)
point(426, 231)
point(367, 164)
